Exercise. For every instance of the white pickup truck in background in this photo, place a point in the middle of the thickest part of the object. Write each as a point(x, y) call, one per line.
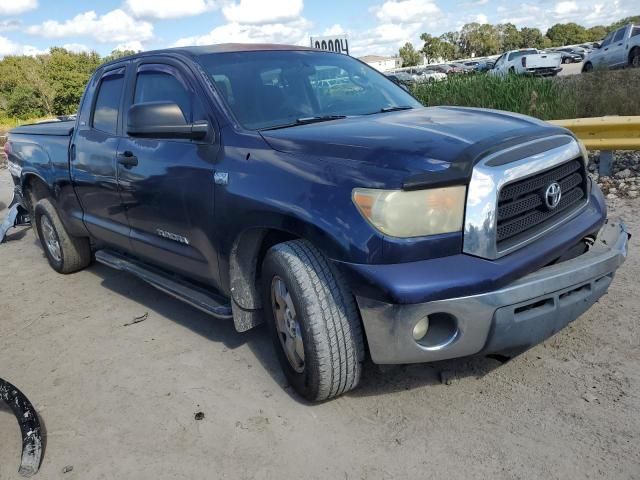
point(527, 62)
point(619, 49)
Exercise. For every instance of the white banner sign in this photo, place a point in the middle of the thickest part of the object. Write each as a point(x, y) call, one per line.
point(332, 43)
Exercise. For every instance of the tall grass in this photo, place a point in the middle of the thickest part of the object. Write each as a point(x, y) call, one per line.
point(587, 95)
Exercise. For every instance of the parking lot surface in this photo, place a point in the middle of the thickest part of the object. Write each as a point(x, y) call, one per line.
point(121, 401)
point(571, 69)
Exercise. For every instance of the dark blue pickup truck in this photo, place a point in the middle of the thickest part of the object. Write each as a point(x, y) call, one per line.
point(300, 187)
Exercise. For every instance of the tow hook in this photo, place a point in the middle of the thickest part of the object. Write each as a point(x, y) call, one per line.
point(29, 427)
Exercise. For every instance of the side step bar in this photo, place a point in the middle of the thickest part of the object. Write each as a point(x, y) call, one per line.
point(197, 297)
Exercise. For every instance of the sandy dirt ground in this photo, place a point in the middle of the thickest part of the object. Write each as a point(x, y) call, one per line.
point(120, 401)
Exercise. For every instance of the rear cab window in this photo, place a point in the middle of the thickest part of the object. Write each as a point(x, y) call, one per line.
point(521, 53)
point(619, 35)
point(635, 31)
point(107, 103)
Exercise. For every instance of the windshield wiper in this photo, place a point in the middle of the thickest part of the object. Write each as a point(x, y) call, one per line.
point(307, 120)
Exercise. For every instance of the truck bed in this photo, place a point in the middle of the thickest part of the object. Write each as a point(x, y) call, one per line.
point(56, 129)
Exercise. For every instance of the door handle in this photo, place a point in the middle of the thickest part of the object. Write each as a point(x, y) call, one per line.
point(127, 159)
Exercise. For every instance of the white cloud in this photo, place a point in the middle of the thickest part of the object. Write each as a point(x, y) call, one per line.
point(562, 8)
point(76, 47)
point(163, 9)
point(405, 11)
point(114, 26)
point(261, 12)
point(287, 33)
point(257, 21)
point(481, 18)
point(335, 29)
point(8, 47)
point(400, 21)
point(15, 7)
point(7, 25)
point(585, 12)
point(134, 45)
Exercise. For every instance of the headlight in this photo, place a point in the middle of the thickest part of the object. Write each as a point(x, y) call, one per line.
point(412, 214)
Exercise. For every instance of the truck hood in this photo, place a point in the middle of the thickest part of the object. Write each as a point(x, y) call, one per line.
point(443, 141)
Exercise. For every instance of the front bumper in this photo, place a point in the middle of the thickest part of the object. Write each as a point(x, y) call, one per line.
point(518, 315)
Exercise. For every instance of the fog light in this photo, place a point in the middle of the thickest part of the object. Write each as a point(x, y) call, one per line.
point(420, 329)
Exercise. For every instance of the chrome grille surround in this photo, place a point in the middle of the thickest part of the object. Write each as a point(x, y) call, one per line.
point(480, 225)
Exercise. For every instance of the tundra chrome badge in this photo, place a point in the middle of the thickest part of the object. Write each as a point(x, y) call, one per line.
point(552, 195)
point(172, 236)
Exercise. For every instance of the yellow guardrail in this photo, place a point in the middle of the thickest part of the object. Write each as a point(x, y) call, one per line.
point(605, 133)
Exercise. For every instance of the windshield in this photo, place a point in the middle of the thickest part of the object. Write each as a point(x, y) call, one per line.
point(268, 89)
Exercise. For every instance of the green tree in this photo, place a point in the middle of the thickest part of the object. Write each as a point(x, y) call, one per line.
point(451, 45)
point(410, 57)
point(510, 36)
point(531, 38)
point(24, 102)
point(68, 73)
point(567, 34)
point(479, 40)
point(433, 48)
point(597, 33)
point(625, 21)
point(116, 54)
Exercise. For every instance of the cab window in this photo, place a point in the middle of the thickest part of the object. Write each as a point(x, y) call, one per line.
point(619, 35)
point(105, 113)
point(163, 84)
point(606, 41)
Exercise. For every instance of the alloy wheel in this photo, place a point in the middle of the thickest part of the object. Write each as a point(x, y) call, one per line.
point(287, 325)
point(50, 238)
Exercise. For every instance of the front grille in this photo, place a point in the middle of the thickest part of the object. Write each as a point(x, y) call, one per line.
point(522, 210)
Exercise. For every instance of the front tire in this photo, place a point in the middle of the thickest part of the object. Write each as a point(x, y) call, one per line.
point(66, 253)
point(588, 67)
point(313, 321)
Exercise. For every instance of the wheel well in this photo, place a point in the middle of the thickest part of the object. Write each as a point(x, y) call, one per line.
point(632, 52)
point(34, 189)
point(245, 264)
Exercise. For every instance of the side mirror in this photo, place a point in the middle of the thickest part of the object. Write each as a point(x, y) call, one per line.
point(162, 120)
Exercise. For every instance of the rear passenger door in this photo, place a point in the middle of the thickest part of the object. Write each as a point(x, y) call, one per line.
point(93, 158)
point(169, 193)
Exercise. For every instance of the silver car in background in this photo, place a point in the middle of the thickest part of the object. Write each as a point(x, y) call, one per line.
point(619, 49)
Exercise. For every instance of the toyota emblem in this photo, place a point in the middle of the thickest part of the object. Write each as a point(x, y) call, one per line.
point(552, 195)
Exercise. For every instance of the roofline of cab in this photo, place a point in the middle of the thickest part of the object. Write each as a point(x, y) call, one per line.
point(193, 51)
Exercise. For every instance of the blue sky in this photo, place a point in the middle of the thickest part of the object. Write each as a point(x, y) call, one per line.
point(374, 26)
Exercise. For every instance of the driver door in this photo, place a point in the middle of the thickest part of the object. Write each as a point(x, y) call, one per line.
point(617, 51)
point(168, 190)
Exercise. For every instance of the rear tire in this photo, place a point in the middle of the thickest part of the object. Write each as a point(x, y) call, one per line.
point(634, 58)
point(313, 321)
point(66, 253)
point(588, 67)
